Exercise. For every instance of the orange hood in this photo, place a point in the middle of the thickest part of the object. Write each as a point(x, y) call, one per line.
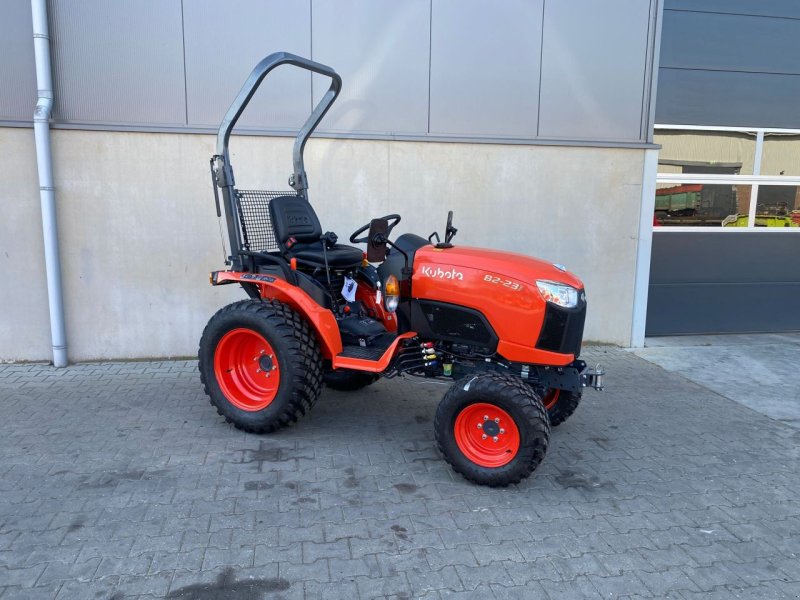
point(509, 264)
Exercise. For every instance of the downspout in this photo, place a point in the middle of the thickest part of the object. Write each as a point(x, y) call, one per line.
point(41, 131)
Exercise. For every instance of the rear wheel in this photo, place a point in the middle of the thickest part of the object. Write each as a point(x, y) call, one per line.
point(260, 365)
point(560, 405)
point(346, 380)
point(492, 429)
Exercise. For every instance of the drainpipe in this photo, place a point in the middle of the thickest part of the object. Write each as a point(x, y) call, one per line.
point(41, 131)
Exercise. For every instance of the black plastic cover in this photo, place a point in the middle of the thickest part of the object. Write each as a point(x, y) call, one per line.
point(562, 330)
point(356, 328)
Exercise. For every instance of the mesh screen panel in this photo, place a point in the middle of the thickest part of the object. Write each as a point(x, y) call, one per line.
point(258, 235)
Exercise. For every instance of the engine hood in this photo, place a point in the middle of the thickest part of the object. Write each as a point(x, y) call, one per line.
point(515, 266)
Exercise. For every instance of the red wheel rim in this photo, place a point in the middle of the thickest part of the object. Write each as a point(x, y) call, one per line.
point(487, 435)
point(246, 368)
point(550, 398)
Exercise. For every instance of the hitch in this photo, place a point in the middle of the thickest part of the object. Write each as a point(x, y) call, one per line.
point(593, 378)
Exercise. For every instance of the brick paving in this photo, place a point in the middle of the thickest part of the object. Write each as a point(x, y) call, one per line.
point(119, 481)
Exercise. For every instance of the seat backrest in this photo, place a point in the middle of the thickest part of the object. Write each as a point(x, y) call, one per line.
point(294, 217)
point(255, 221)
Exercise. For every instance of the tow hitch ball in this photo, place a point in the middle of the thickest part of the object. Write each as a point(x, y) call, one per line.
point(593, 378)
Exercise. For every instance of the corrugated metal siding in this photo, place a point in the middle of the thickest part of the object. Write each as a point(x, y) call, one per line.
point(593, 67)
point(485, 67)
point(17, 68)
point(381, 50)
point(118, 62)
point(720, 42)
point(689, 97)
point(723, 283)
point(215, 71)
point(730, 63)
point(764, 8)
point(164, 64)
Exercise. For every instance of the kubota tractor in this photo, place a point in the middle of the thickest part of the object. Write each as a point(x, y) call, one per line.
point(505, 328)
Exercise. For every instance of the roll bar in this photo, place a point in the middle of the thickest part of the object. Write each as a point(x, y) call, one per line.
point(298, 180)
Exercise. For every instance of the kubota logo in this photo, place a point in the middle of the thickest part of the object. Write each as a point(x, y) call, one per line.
point(438, 273)
point(298, 220)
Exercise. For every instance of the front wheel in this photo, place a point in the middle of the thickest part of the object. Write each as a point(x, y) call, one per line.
point(560, 405)
point(260, 365)
point(492, 429)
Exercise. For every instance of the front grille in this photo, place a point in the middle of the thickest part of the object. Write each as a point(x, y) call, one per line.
point(457, 323)
point(562, 330)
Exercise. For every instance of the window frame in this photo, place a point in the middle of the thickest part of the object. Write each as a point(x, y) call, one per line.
point(755, 180)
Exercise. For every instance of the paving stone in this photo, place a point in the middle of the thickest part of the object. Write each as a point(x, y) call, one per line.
point(379, 587)
point(630, 501)
point(580, 587)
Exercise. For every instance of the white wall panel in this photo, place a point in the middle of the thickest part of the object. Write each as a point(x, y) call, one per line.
point(118, 62)
point(381, 50)
point(223, 46)
point(593, 69)
point(485, 67)
point(17, 68)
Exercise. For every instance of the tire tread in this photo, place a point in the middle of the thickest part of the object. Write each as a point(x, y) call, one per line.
point(514, 390)
point(304, 352)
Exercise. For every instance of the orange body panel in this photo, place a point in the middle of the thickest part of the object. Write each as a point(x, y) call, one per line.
point(501, 285)
point(366, 296)
point(320, 319)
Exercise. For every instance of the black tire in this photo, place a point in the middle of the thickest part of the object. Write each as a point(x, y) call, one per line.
point(562, 408)
point(514, 397)
point(296, 352)
point(346, 380)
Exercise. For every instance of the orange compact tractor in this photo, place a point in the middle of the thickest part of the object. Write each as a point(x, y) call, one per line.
point(505, 328)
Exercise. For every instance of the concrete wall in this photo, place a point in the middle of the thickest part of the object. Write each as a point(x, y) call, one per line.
point(138, 233)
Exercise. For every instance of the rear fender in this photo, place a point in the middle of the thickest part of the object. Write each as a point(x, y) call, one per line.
point(321, 319)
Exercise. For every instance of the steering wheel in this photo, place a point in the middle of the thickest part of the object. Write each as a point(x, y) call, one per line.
point(393, 220)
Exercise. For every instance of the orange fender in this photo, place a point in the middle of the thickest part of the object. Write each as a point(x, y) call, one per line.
point(321, 319)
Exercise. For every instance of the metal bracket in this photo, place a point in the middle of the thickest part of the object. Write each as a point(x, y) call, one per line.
point(593, 378)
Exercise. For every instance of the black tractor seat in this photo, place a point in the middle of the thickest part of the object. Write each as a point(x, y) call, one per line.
point(298, 233)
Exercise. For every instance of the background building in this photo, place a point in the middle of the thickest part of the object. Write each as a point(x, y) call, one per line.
point(531, 119)
point(726, 250)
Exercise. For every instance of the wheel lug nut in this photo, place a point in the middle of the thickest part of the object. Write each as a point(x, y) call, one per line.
point(258, 370)
point(480, 425)
point(497, 419)
point(262, 352)
point(484, 436)
point(494, 438)
point(502, 431)
point(485, 417)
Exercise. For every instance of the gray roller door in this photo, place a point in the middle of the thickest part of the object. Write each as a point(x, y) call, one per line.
point(724, 282)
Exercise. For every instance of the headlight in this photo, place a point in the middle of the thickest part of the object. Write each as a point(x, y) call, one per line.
point(391, 290)
point(558, 293)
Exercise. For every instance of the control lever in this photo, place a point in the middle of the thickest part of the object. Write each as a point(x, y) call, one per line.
point(450, 231)
point(330, 239)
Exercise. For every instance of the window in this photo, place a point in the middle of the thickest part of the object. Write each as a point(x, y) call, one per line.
point(781, 155)
point(727, 178)
point(719, 152)
point(702, 205)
